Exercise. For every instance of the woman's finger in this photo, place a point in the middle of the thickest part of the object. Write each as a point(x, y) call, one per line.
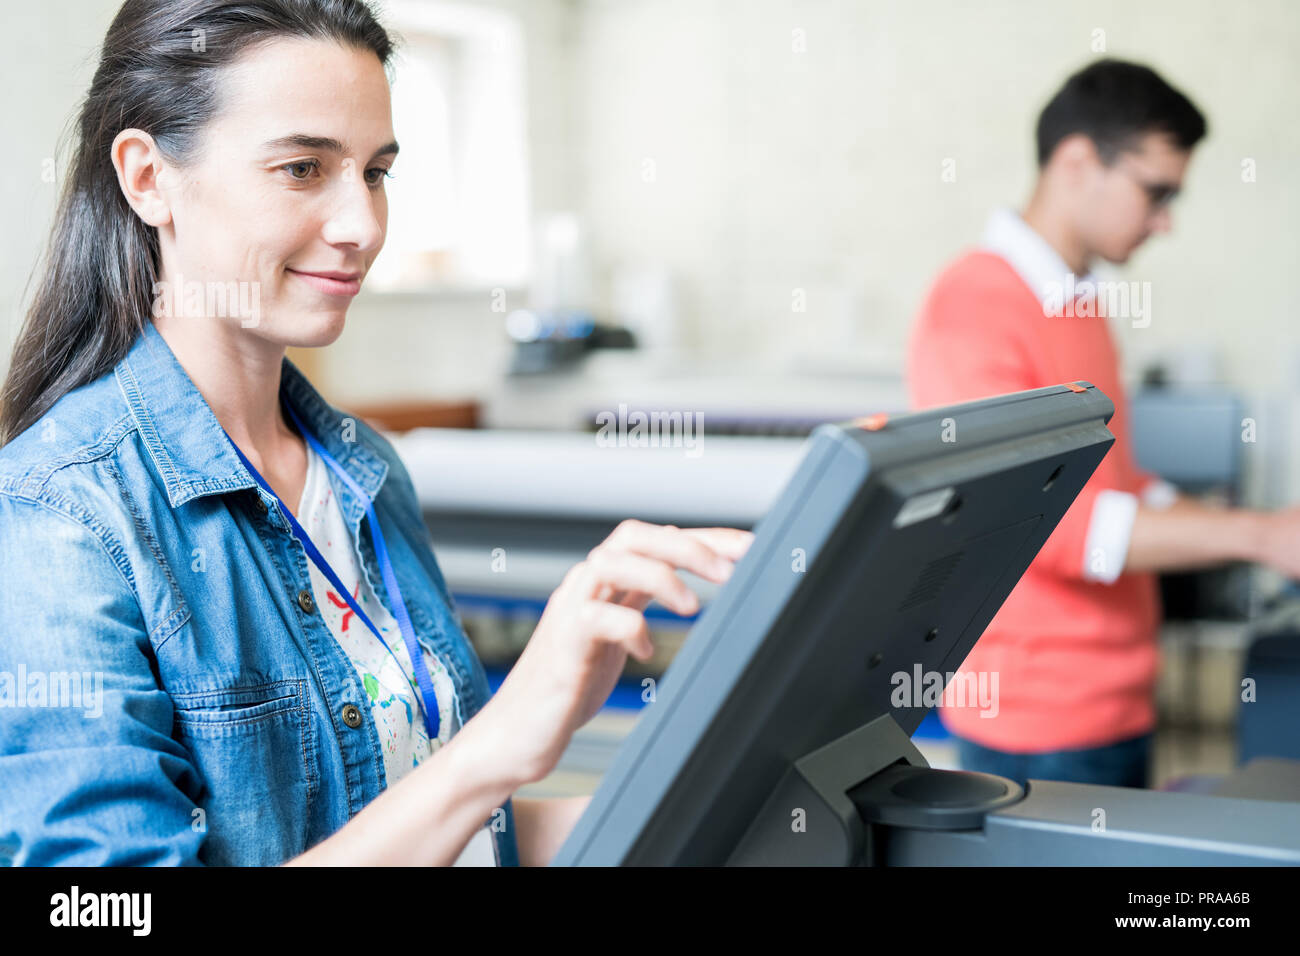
point(617, 625)
point(627, 571)
point(729, 542)
point(669, 544)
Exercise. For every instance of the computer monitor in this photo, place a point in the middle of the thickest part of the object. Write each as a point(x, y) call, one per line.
point(878, 567)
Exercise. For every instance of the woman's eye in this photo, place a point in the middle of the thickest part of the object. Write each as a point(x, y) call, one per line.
point(307, 166)
point(377, 174)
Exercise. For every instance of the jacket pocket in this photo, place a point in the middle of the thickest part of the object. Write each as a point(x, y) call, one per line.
point(222, 711)
point(252, 747)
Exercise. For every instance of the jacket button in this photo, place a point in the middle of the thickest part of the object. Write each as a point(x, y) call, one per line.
point(305, 601)
point(352, 716)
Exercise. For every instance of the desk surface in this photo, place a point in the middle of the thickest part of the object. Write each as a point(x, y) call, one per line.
point(1264, 778)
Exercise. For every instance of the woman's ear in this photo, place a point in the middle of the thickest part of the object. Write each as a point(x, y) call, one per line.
point(139, 166)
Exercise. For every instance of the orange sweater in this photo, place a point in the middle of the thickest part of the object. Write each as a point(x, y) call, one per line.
point(1076, 659)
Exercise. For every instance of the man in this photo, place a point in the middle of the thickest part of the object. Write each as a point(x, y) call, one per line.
point(1075, 645)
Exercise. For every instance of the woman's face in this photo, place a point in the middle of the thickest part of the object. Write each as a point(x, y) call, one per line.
point(288, 184)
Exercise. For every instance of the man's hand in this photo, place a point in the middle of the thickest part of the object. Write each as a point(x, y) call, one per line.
point(1280, 540)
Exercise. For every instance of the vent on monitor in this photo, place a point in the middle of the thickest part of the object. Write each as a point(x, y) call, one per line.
point(931, 580)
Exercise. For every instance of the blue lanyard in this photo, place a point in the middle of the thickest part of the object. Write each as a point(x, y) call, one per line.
point(432, 719)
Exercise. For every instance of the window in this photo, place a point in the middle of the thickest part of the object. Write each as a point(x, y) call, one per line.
point(458, 212)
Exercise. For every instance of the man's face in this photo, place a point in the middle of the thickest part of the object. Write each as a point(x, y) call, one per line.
point(1125, 201)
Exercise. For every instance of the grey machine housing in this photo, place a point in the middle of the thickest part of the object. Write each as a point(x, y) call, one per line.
point(774, 736)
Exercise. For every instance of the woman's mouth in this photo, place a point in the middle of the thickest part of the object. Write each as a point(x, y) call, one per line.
point(331, 283)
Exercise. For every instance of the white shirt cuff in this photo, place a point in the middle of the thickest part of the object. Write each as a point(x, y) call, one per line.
point(1109, 531)
point(1158, 494)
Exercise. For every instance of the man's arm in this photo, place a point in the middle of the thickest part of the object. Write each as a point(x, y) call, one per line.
point(542, 825)
point(1189, 535)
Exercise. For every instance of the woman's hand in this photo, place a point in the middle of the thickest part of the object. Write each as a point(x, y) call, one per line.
point(592, 621)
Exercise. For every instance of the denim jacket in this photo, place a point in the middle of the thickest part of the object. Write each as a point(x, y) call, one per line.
point(169, 694)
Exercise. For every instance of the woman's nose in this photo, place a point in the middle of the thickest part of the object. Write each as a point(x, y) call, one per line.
point(354, 219)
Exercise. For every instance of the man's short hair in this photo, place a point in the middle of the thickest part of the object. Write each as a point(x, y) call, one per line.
point(1114, 103)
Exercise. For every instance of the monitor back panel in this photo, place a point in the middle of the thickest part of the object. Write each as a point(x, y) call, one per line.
point(887, 553)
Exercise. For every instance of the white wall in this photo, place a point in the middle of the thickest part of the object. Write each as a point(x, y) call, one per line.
point(48, 53)
point(779, 169)
point(798, 145)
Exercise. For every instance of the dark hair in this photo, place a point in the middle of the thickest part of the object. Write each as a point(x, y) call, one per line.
point(1113, 103)
point(159, 71)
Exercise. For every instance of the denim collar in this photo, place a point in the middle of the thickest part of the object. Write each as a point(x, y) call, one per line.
point(188, 446)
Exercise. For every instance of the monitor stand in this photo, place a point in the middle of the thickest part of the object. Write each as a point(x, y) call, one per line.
point(869, 798)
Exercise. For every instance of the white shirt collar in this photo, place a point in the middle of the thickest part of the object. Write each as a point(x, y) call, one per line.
point(1029, 254)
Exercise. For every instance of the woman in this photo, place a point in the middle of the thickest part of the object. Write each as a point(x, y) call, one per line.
point(220, 651)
